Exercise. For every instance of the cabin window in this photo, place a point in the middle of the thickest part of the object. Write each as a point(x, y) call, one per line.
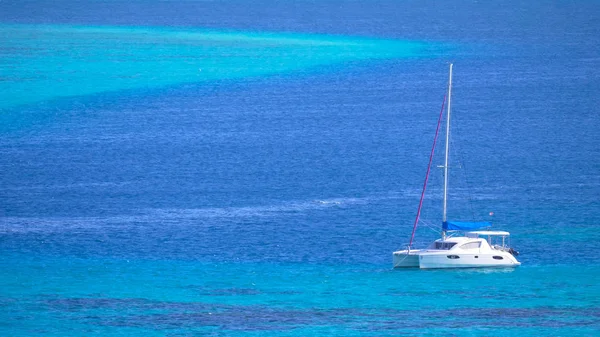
point(471, 245)
point(453, 257)
point(496, 257)
point(444, 245)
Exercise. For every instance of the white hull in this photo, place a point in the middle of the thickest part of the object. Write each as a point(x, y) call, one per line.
point(440, 260)
point(406, 259)
point(469, 251)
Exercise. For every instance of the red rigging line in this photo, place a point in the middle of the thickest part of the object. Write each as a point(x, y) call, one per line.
point(437, 130)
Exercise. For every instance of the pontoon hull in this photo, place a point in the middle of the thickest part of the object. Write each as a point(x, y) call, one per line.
point(406, 259)
point(449, 259)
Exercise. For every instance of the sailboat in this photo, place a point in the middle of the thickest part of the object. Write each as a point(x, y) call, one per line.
point(462, 244)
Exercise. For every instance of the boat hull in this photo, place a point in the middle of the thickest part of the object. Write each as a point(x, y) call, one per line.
point(406, 259)
point(448, 259)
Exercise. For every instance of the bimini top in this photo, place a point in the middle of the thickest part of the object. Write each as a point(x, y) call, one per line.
point(492, 233)
point(464, 225)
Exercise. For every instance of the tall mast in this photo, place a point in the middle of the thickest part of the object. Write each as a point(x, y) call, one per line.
point(444, 218)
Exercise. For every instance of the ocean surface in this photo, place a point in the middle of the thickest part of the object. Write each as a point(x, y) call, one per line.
point(247, 168)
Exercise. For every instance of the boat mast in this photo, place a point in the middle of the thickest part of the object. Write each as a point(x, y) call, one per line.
point(444, 218)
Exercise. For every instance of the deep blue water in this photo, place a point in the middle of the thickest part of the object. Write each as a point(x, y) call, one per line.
point(270, 205)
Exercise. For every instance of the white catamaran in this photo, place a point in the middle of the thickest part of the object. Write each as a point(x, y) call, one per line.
point(476, 248)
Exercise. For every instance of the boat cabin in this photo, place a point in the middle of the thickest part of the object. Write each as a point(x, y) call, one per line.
point(459, 243)
point(476, 240)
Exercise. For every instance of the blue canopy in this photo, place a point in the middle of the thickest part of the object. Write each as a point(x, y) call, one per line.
point(464, 225)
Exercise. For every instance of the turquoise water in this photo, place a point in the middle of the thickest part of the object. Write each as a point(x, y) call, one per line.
point(241, 168)
point(90, 60)
point(294, 299)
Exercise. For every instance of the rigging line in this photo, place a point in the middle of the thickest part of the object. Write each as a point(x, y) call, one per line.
point(437, 130)
point(462, 165)
point(430, 226)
